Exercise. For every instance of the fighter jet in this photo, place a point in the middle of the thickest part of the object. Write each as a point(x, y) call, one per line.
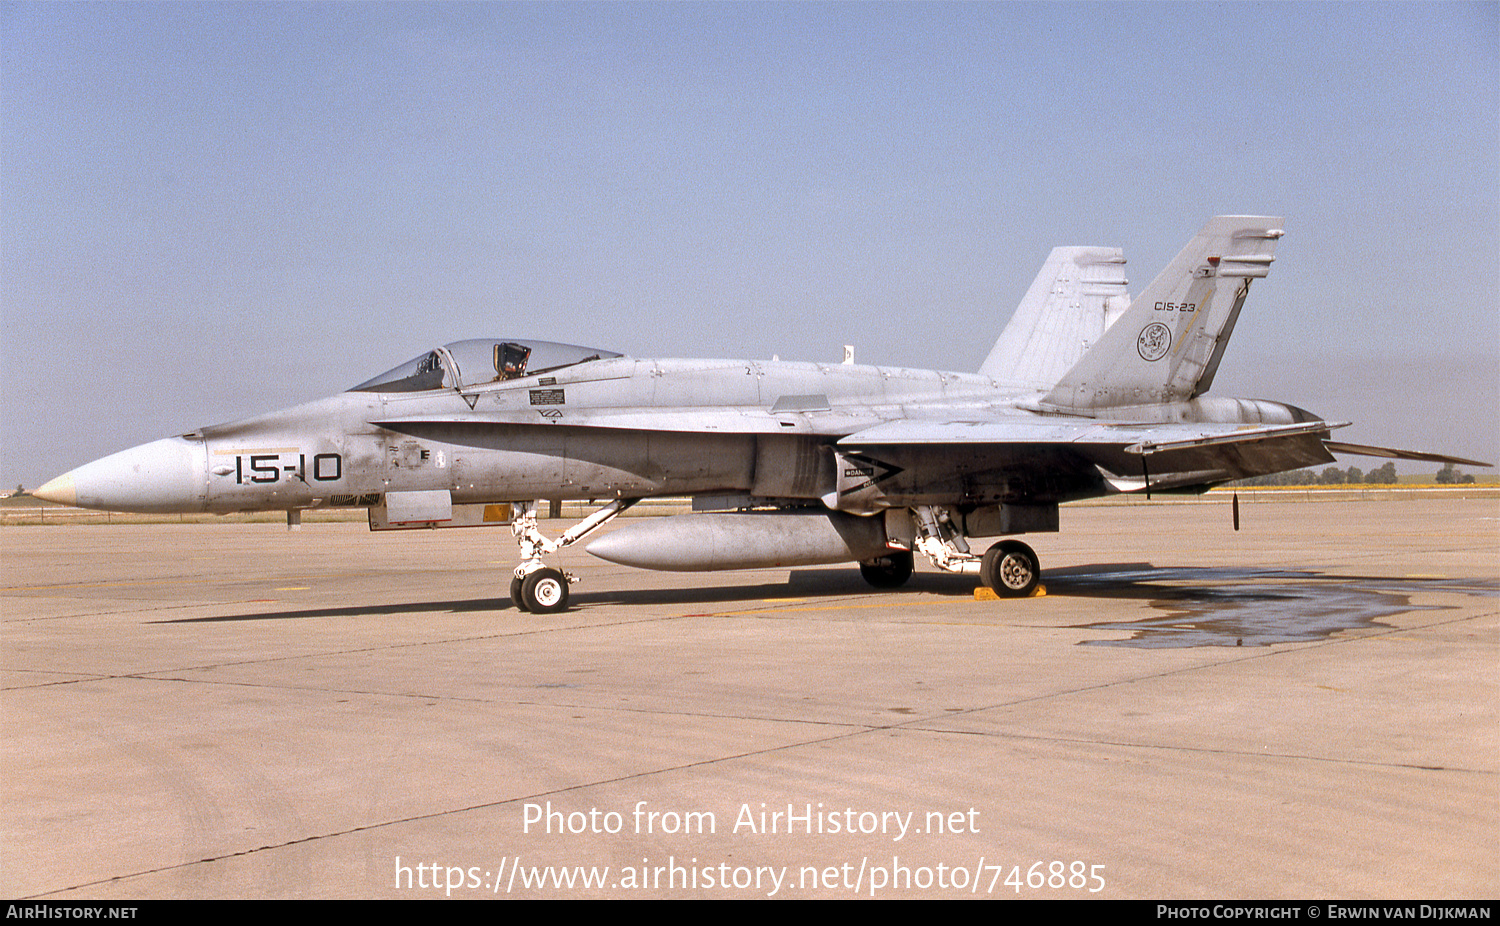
point(1086, 394)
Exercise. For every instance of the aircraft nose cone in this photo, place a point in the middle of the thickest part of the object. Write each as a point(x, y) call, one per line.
point(169, 475)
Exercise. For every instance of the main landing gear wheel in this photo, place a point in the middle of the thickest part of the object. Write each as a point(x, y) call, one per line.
point(515, 595)
point(889, 571)
point(1011, 568)
point(543, 592)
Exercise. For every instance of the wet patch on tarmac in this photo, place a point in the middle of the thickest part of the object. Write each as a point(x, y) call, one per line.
point(1247, 607)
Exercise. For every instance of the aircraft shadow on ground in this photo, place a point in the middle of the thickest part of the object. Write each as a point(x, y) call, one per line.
point(1203, 606)
point(709, 595)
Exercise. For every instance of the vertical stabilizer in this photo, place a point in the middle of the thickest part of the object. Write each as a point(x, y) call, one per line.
point(1076, 296)
point(1167, 346)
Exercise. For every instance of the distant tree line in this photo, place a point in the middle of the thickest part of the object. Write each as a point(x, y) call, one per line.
point(1449, 475)
point(1333, 476)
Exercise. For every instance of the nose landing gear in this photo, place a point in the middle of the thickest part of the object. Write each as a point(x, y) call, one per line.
point(539, 588)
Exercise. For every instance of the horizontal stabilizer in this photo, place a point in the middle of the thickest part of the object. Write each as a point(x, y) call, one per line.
point(1365, 450)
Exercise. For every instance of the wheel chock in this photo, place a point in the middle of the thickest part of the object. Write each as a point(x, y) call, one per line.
point(985, 593)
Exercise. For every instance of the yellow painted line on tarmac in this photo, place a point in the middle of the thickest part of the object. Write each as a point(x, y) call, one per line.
point(185, 580)
point(756, 612)
point(63, 588)
point(980, 594)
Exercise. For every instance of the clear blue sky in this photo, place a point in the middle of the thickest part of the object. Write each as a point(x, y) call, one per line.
point(216, 210)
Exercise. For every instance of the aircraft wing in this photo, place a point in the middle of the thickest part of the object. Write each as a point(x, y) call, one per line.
point(1126, 454)
point(1134, 437)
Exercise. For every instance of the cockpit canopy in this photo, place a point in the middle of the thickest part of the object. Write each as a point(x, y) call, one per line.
point(474, 363)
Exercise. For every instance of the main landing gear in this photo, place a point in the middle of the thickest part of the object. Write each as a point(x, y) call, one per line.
point(539, 588)
point(889, 571)
point(1010, 567)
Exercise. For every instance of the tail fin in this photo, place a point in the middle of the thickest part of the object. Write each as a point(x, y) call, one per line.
point(1167, 346)
point(1076, 296)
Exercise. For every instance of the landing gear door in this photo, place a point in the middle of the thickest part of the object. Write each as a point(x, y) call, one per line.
point(399, 511)
point(433, 507)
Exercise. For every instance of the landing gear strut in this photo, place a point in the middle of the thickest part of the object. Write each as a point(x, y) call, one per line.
point(539, 588)
point(1010, 567)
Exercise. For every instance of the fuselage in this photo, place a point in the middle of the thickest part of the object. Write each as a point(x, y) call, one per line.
point(611, 427)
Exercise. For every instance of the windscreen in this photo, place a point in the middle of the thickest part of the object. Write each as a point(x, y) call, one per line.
point(481, 361)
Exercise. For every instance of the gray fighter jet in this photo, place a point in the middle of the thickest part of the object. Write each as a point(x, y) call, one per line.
point(1086, 394)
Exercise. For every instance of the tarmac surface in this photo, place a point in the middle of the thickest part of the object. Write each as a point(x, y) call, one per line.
point(1304, 709)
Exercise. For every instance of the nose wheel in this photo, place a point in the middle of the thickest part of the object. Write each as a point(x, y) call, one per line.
point(542, 591)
